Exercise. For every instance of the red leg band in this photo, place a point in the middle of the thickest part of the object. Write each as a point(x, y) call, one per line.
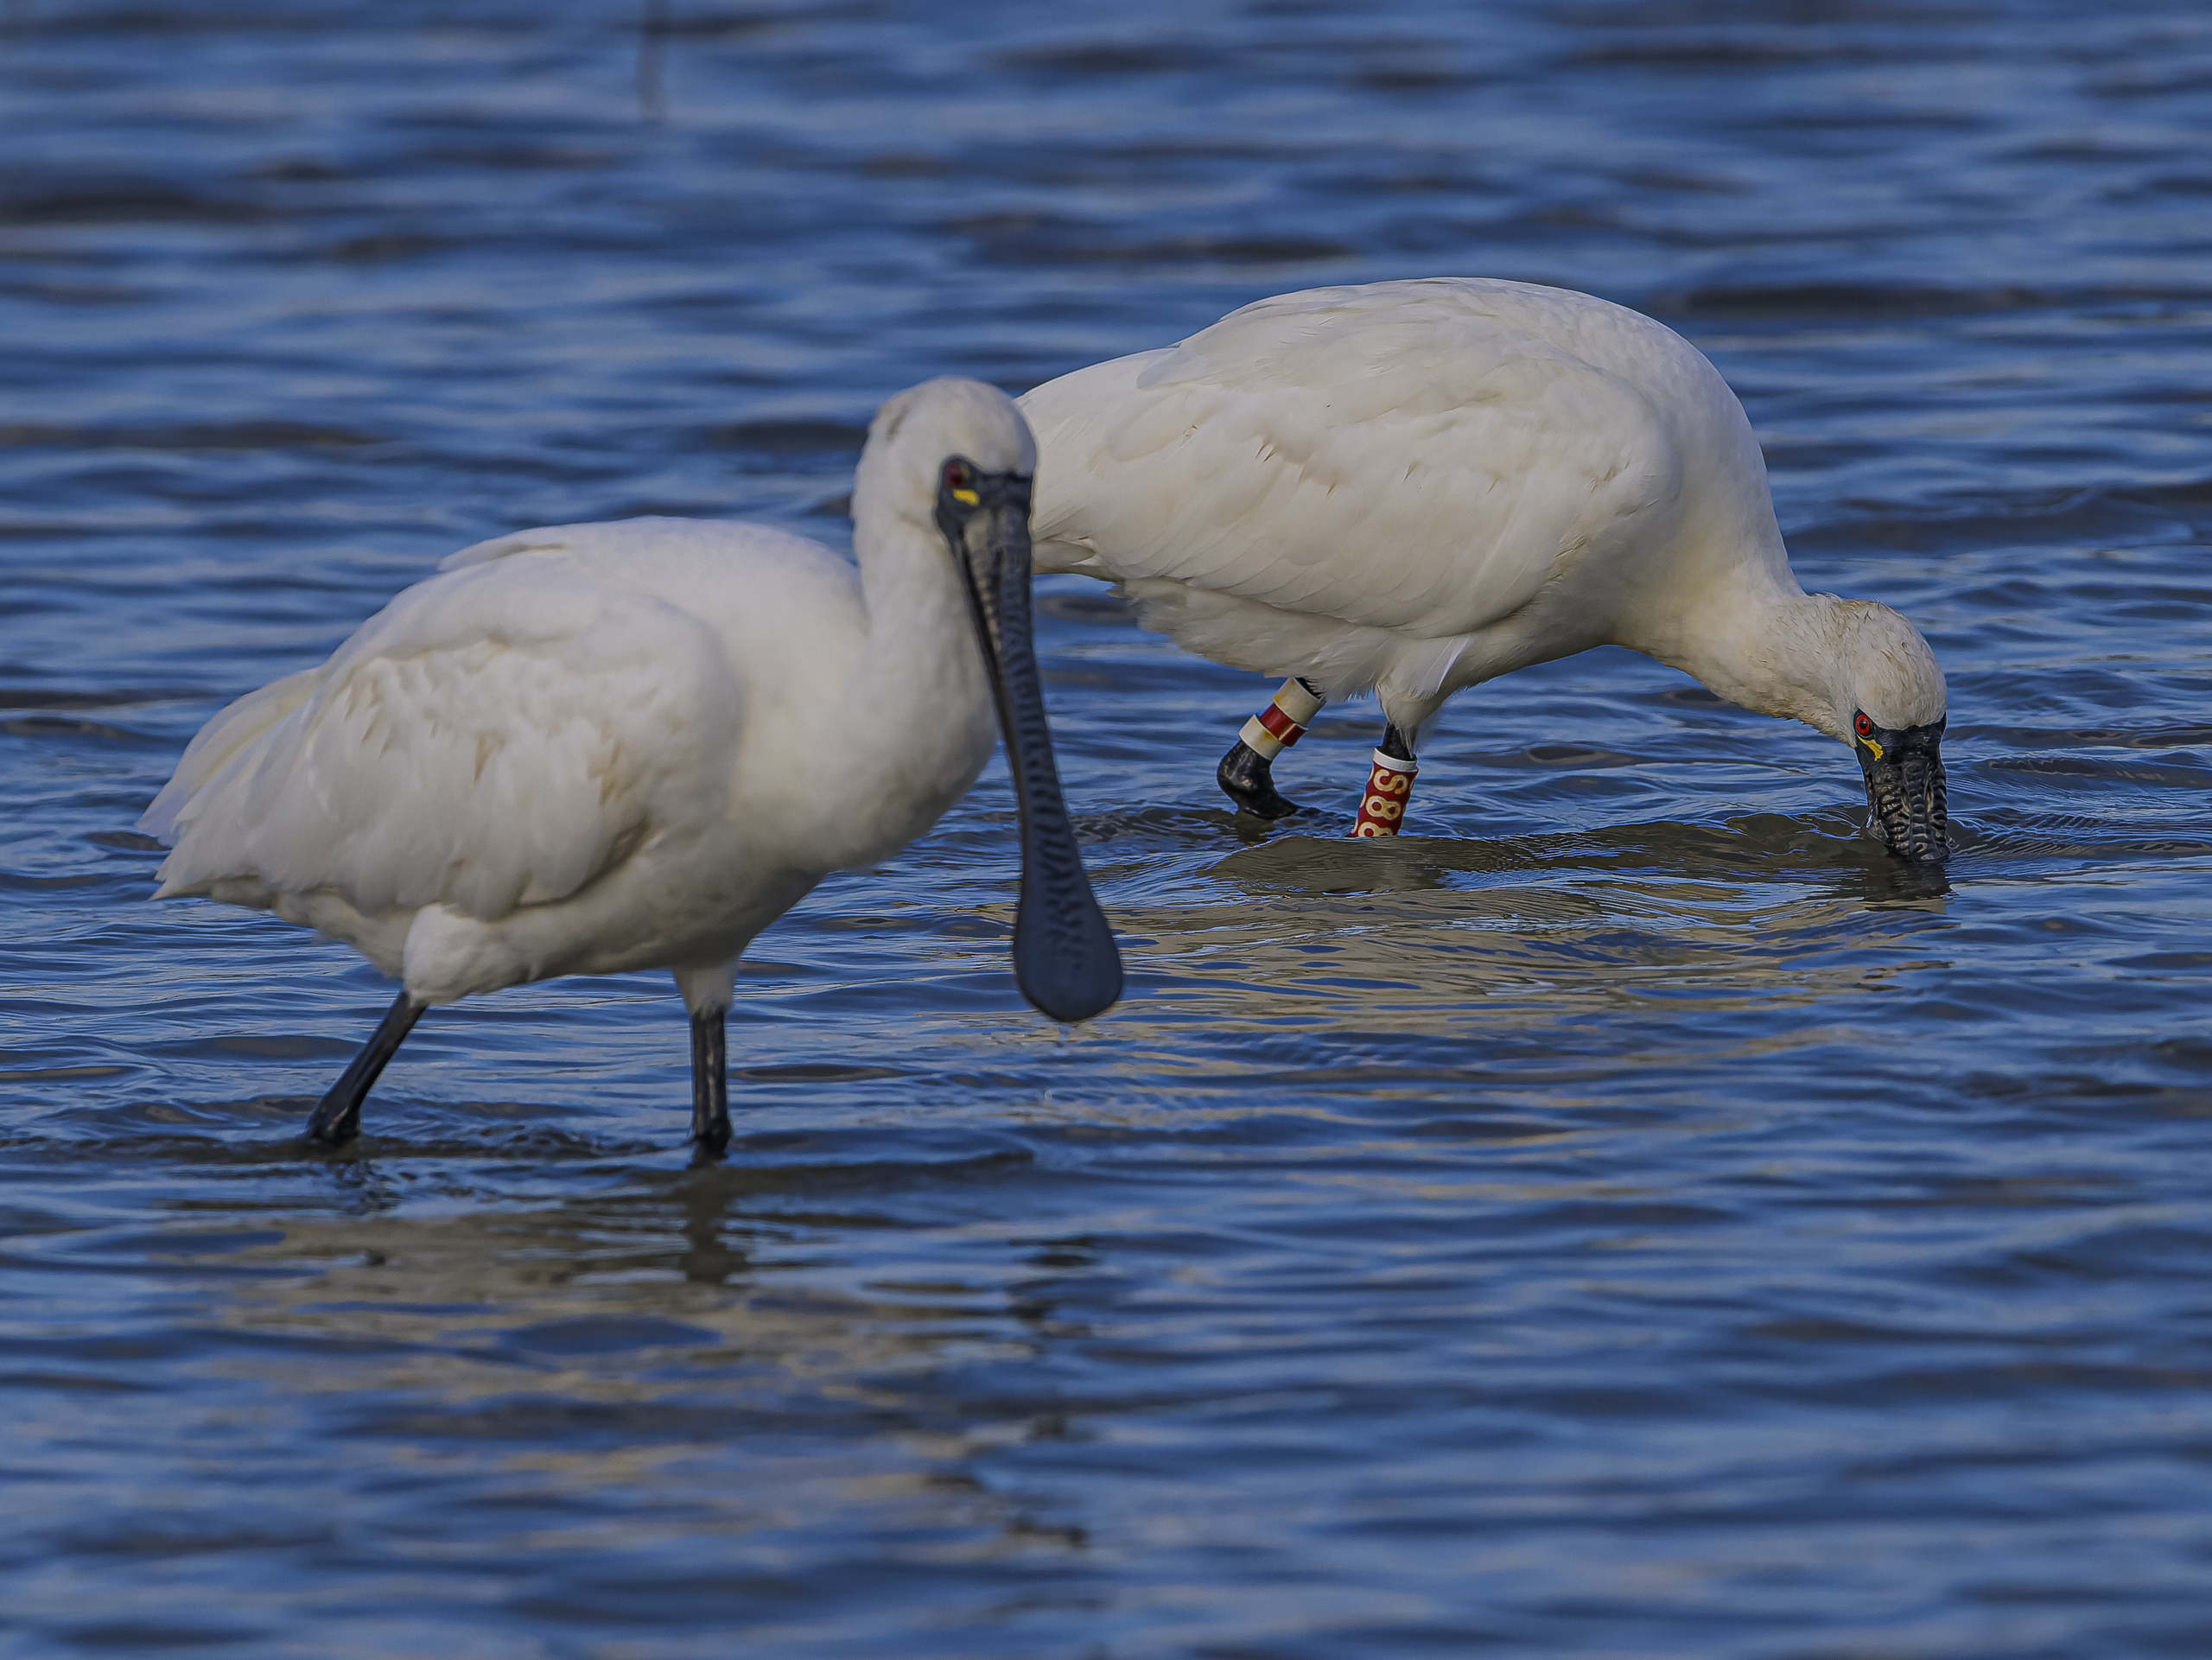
point(1389, 787)
point(1282, 723)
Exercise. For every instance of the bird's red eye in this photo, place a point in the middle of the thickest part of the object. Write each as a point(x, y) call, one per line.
point(1866, 726)
point(958, 475)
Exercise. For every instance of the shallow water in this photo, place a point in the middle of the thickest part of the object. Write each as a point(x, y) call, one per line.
point(1631, 1218)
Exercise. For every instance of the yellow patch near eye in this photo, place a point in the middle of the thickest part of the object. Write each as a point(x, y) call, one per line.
point(1872, 745)
point(966, 498)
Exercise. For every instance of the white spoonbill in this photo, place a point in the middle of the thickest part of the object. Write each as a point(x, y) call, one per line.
point(600, 748)
point(1417, 487)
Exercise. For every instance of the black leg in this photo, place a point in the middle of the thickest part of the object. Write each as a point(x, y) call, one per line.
point(337, 1117)
point(1397, 744)
point(1246, 771)
point(1247, 777)
point(710, 1083)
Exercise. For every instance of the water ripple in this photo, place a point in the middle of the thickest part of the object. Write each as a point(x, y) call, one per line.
point(1630, 1215)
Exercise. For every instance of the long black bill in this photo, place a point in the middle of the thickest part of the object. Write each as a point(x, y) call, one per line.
point(1064, 958)
point(1904, 768)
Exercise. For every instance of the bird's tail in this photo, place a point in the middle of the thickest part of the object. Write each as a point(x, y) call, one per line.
point(220, 740)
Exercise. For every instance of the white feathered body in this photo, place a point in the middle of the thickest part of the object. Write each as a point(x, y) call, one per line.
point(586, 749)
point(1414, 486)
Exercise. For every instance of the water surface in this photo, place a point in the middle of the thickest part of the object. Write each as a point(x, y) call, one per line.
point(1631, 1217)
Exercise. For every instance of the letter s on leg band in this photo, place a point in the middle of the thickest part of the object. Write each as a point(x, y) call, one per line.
point(1382, 805)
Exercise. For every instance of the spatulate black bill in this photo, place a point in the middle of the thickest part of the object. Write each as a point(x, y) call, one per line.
point(1905, 794)
point(1064, 958)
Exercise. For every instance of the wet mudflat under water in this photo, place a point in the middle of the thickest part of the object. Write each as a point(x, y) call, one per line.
point(1631, 1217)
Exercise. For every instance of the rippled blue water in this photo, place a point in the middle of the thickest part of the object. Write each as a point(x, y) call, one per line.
point(1630, 1218)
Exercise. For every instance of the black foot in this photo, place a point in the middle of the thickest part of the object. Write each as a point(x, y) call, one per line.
point(335, 1122)
point(1247, 777)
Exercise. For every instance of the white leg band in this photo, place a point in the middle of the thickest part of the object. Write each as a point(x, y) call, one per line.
point(1258, 738)
point(1296, 701)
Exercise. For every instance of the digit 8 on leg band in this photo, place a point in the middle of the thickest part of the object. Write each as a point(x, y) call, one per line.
point(1389, 787)
point(1282, 723)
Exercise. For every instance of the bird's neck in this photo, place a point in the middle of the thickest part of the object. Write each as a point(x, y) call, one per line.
point(921, 635)
point(1764, 643)
point(917, 722)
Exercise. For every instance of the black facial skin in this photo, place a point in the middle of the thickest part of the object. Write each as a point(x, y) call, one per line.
point(1903, 769)
point(1064, 958)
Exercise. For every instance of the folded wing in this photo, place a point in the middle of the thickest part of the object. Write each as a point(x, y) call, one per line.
point(1394, 461)
point(498, 737)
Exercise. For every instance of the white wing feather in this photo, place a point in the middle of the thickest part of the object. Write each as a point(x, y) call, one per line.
point(1414, 456)
point(482, 742)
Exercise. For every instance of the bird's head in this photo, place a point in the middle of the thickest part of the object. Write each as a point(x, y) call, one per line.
point(1889, 704)
point(916, 433)
point(956, 457)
